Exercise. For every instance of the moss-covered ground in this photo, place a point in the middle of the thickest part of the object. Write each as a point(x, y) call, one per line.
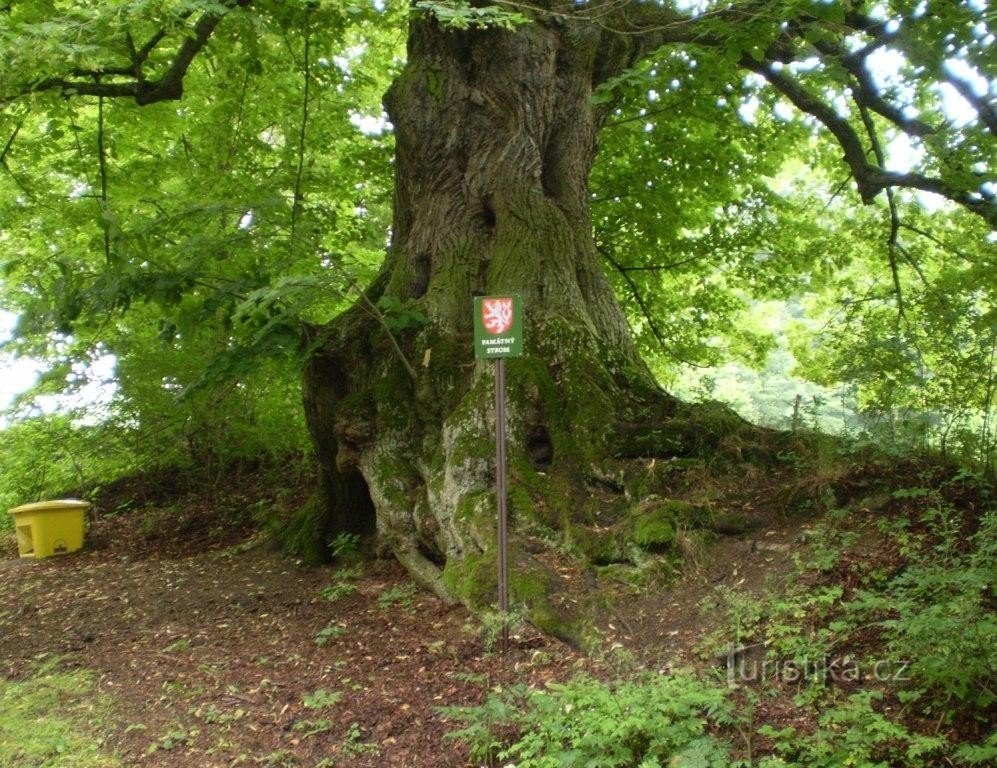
point(54, 718)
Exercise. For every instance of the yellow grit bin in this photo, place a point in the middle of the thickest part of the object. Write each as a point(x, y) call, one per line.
point(47, 528)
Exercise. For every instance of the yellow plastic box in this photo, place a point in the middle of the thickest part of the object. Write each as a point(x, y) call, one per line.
point(48, 528)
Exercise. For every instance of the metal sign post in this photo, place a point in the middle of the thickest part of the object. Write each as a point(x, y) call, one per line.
point(498, 334)
point(500, 492)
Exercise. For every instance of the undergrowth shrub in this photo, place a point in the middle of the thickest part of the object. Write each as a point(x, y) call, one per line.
point(649, 722)
point(903, 609)
point(853, 734)
point(938, 612)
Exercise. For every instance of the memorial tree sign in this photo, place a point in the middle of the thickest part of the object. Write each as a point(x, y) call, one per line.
point(498, 334)
point(498, 327)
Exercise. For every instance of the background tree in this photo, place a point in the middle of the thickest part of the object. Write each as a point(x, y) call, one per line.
point(497, 114)
point(146, 233)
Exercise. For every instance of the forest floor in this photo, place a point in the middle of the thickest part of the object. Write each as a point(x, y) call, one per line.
point(218, 651)
point(215, 660)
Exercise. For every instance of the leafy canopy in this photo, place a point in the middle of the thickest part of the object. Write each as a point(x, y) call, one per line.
point(190, 186)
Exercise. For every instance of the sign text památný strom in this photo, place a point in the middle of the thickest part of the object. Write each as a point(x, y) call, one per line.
point(498, 326)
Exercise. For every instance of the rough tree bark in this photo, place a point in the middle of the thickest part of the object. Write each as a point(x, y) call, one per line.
point(496, 135)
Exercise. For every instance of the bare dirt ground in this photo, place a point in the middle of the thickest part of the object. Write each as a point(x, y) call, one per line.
point(214, 660)
point(223, 653)
point(666, 628)
point(218, 651)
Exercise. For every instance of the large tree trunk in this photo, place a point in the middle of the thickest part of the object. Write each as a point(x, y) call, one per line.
point(496, 136)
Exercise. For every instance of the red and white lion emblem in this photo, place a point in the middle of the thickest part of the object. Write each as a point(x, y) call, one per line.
point(496, 315)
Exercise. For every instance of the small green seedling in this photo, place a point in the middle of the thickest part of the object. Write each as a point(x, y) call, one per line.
point(320, 699)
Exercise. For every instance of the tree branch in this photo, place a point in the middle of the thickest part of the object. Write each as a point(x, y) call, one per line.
point(882, 34)
point(644, 309)
point(297, 199)
point(28, 193)
point(661, 267)
point(10, 142)
point(102, 167)
point(168, 87)
point(866, 94)
point(642, 27)
point(803, 100)
point(869, 178)
point(983, 107)
point(891, 243)
point(937, 241)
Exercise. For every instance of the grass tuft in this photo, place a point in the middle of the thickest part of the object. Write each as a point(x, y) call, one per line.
point(53, 719)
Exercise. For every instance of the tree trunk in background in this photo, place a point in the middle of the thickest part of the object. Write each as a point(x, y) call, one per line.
point(495, 136)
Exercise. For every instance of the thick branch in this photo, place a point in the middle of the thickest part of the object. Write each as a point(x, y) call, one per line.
point(883, 34)
point(867, 95)
point(982, 106)
point(877, 179)
point(870, 179)
point(646, 26)
point(168, 87)
point(805, 101)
